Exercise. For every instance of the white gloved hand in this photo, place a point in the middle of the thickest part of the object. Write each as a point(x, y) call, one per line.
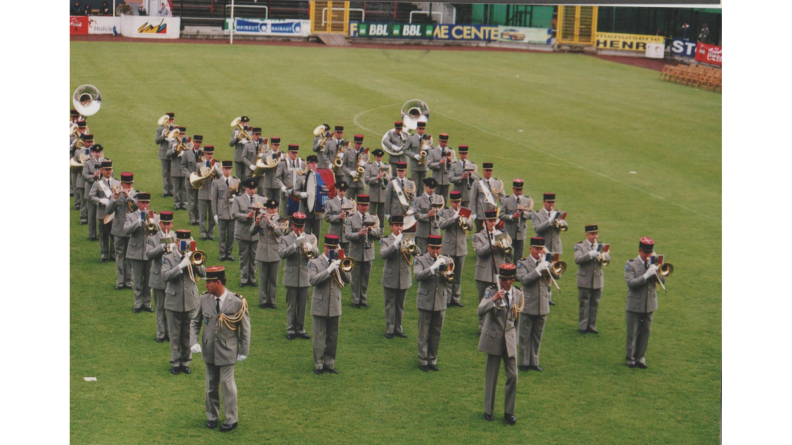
point(439, 261)
point(308, 246)
point(417, 157)
point(303, 195)
point(553, 215)
point(196, 348)
point(104, 201)
point(333, 266)
point(283, 189)
point(217, 219)
point(434, 267)
point(181, 153)
point(184, 263)
point(241, 358)
point(354, 174)
point(252, 167)
point(593, 254)
point(542, 266)
point(650, 272)
point(473, 217)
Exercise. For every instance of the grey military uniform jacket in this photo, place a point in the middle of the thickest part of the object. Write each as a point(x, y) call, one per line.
point(333, 209)
point(413, 147)
point(392, 204)
point(295, 272)
point(205, 192)
point(120, 207)
point(237, 144)
point(287, 172)
point(431, 286)
point(589, 274)
point(350, 164)
point(394, 141)
point(328, 155)
point(516, 228)
point(89, 167)
point(454, 238)
point(239, 209)
point(357, 244)
point(269, 179)
point(426, 225)
point(396, 273)
point(535, 289)
point(176, 170)
point(222, 198)
point(478, 197)
point(269, 236)
point(441, 172)
point(641, 293)
point(375, 190)
point(154, 252)
point(484, 269)
point(163, 143)
point(189, 160)
point(499, 325)
point(463, 185)
point(181, 293)
point(250, 154)
point(219, 344)
point(545, 228)
point(97, 194)
point(326, 297)
point(80, 180)
point(135, 229)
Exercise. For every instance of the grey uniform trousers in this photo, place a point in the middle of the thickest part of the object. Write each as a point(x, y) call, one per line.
point(639, 326)
point(104, 238)
point(267, 281)
point(123, 264)
point(72, 182)
point(456, 287)
point(360, 281)
point(180, 192)
point(296, 304)
point(421, 243)
point(491, 381)
point(479, 224)
point(225, 236)
point(442, 190)
point(531, 330)
point(179, 327)
point(192, 201)
point(162, 320)
point(325, 341)
point(518, 247)
point(90, 215)
point(430, 324)
point(247, 261)
point(418, 178)
point(394, 310)
point(378, 208)
point(217, 376)
point(167, 185)
point(141, 271)
point(313, 227)
point(589, 304)
point(206, 218)
point(242, 171)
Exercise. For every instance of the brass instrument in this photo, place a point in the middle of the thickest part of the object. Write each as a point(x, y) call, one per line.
point(560, 224)
point(323, 131)
point(243, 134)
point(347, 264)
point(448, 273)
point(385, 168)
point(87, 100)
point(342, 147)
point(504, 242)
point(464, 223)
point(306, 248)
point(262, 165)
point(664, 270)
point(426, 145)
point(233, 189)
point(414, 111)
point(557, 268)
point(452, 159)
point(163, 120)
point(369, 228)
point(408, 248)
point(601, 258)
point(198, 258)
point(409, 192)
point(76, 165)
point(197, 180)
point(151, 227)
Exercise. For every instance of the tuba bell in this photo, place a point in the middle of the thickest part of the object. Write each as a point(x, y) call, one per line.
point(87, 100)
point(414, 111)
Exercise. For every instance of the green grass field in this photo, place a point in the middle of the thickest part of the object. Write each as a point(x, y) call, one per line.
point(570, 124)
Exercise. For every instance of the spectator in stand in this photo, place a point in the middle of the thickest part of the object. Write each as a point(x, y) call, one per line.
point(164, 10)
point(105, 10)
point(704, 34)
point(685, 30)
point(76, 9)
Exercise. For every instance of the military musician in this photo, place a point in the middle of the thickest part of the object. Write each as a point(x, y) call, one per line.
point(300, 191)
point(244, 210)
point(463, 175)
point(224, 189)
point(395, 140)
point(296, 248)
point(189, 164)
point(485, 194)
point(267, 259)
point(362, 230)
point(590, 256)
point(206, 215)
point(250, 152)
point(100, 195)
point(440, 160)
point(428, 208)
point(376, 176)
point(400, 193)
point(135, 229)
point(396, 276)
point(239, 146)
point(548, 223)
point(165, 159)
point(514, 212)
point(178, 179)
point(642, 277)
point(286, 176)
point(419, 165)
point(124, 200)
point(454, 245)
point(92, 170)
point(431, 272)
point(488, 255)
point(268, 182)
point(327, 158)
point(534, 273)
point(337, 211)
point(355, 159)
point(157, 244)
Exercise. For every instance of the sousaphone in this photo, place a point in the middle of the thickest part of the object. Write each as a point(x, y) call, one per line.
point(87, 100)
point(414, 111)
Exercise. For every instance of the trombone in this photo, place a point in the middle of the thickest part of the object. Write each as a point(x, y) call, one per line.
point(243, 134)
point(663, 270)
point(556, 268)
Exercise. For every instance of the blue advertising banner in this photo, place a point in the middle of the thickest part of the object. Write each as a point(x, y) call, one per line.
point(683, 48)
point(466, 32)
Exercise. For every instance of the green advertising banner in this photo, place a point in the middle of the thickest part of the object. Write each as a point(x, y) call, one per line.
point(391, 30)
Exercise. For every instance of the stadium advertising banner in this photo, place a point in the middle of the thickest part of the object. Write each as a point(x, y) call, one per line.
point(103, 25)
point(626, 42)
point(711, 54)
point(391, 30)
point(683, 48)
point(525, 35)
point(78, 25)
point(142, 27)
point(292, 28)
point(466, 32)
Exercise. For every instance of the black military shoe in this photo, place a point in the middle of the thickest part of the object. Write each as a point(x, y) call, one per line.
point(631, 365)
point(457, 304)
point(356, 306)
point(424, 368)
point(304, 336)
point(118, 286)
point(263, 306)
point(222, 258)
point(203, 238)
point(164, 195)
point(186, 370)
point(524, 368)
point(364, 304)
point(593, 330)
point(510, 418)
point(388, 336)
point(137, 310)
point(148, 309)
point(489, 417)
point(224, 428)
point(274, 306)
point(84, 223)
point(582, 331)
point(330, 370)
point(230, 258)
point(211, 424)
point(290, 336)
point(434, 367)
point(318, 371)
point(159, 340)
point(641, 365)
point(175, 371)
point(536, 368)
point(400, 334)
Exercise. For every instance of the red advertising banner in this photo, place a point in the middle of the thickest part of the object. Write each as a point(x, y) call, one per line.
point(706, 53)
point(78, 25)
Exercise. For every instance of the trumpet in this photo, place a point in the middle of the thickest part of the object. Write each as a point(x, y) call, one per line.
point(504, 242)
point(556, 269)
point(560, 224)
point(306, 248)
point(198, 258)
point(346, 265)
point(602, 259)
point(243, 134)
point(426, 140)
point(464, 224)
point(664, 270)
point(409, 249)
point(448, 273)
point(150, 225)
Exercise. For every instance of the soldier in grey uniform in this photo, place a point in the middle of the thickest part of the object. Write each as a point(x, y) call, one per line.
point(318, 146)
point(589, 278)
point(239, 145)
point(135, 229)
point(123, 201)
point(328, 155)
point(250, 152)
point(336, 213)
point(396, 277)
point(181, 299)
point(400, 193)
point(223, 190)
point(100, 195)
point(223, 346)
point(500, 310)
point(90, 173)
point(155, 249)
point(431, 301)
point(440, 162)
point(300, 191)
point(454, 245)
point(354, 158)
point(362, 230)
point(463, 175)
point(544, 225)
point(641, 276)
point(206, 214)
point(77, 183)
point(285, 177)
point(189, 163)
point(485, 194)
point(178, 179)
point(427, 211)
point(268, 182)
point(533, 273)
point(419, 166)
point(488, 255)
point(165, 163)
point(395, 140)
point(376, 175)
point(267, 259)
point(514, 212)
point(244, 210)
point(326, 306)
point(295, 275)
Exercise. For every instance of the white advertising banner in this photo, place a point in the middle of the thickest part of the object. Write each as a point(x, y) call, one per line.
point(525, 35)
point(104, 25)
point(142, 27)
point(292, 28)
point(655, 50)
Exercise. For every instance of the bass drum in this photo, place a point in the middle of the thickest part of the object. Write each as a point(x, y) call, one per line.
point(320, 187)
